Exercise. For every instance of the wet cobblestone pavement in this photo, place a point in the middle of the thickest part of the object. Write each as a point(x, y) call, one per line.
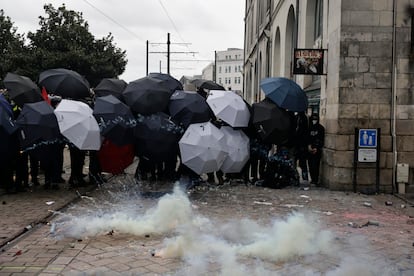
point(366, 235)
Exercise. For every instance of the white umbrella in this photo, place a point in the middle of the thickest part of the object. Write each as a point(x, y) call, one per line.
point(78, 125)
point(202, 148)
point(238, 149)
point(229, 107)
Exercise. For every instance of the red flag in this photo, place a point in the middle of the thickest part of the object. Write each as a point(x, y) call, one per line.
point(45, 96)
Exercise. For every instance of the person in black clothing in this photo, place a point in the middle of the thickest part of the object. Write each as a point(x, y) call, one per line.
point(77, 161)
point(315, 145)
point(301, 152)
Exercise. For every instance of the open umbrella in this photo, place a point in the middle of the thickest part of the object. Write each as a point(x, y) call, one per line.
point(207, 84)
point(115, 120)
point(229, 107)
point(170, 81)
point(65, 83)
point(285, 93)
point(156, 137)
point(202, 148)
point(237, 148)
point(147, 95)
point(8, 137)
point(4, 104)
point(188, 107)
point(78, 125)
point(110, 86)
point(115, 159)
point(22, 89)
point(38, 124)
point(272, 123)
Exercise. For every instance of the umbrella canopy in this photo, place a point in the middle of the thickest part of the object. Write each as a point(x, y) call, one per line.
point(65, 83)
point(147, 95)
point(237, 148)
point(202, 148)
point(110, 86)
point(271, 122)
point(156, 137)
point(115, 159)
point(207, 84)
point(285, 93)
point(78, 125)
point(187, 107)
point(229, 107)
point(4, 104)
point(8, 138)
point(22, 89)
point(37, 123)
point(115, 119)
point(170, 81)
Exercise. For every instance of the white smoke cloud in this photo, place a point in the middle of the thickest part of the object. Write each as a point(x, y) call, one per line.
point(208, 246)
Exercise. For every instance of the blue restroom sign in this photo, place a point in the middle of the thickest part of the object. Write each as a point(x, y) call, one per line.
point(368, 138)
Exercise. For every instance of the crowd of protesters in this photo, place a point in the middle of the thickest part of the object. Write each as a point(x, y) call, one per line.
point(268, 165)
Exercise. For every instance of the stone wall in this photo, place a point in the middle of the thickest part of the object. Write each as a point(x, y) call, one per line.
point(363, 96)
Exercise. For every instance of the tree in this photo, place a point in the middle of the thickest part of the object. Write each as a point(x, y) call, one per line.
point(14, 53)
point(64, 41)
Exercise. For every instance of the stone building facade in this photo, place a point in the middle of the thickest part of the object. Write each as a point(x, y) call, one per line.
point(369, 66)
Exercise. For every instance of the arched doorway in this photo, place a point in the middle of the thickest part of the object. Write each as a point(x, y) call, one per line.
point(290, 40)
point(276, 54)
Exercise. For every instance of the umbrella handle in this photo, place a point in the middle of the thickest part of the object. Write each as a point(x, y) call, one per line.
point(262, 129)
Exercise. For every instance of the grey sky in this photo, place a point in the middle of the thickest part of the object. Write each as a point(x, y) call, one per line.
point(208, 25)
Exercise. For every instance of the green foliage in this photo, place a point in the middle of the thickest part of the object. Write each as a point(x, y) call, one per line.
point(64, 41)
point(13, 51)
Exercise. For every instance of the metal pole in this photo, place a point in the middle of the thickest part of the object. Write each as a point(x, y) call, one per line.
point(147, 59)
point(355, 163)
point(215, 67)
point(168, 53)
point(377, 166)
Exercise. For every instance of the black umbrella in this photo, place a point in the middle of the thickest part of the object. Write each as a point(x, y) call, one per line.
point(272, 123)
point(64, 82)
point(22, 89)
point(170, 81)
point(115, 120)
point(207, 84)
point(147, 95)
point(188, 107)
point(8, 138)
point(110, 86)
point(156, 137)
point(4, 104)
point(38, 125)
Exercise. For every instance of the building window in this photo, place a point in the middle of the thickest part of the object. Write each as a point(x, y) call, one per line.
point(229, 69)
point(318, 19)
point(219, 69)
point(219, 81)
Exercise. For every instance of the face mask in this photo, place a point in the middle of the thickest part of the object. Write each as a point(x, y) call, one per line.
point(314, 122)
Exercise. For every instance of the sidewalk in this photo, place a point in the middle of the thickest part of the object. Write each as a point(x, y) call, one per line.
point(21, 211)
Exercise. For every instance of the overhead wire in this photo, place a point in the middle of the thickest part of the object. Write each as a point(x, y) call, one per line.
point(114, 21)
point(184, 44)
point(176, 29)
